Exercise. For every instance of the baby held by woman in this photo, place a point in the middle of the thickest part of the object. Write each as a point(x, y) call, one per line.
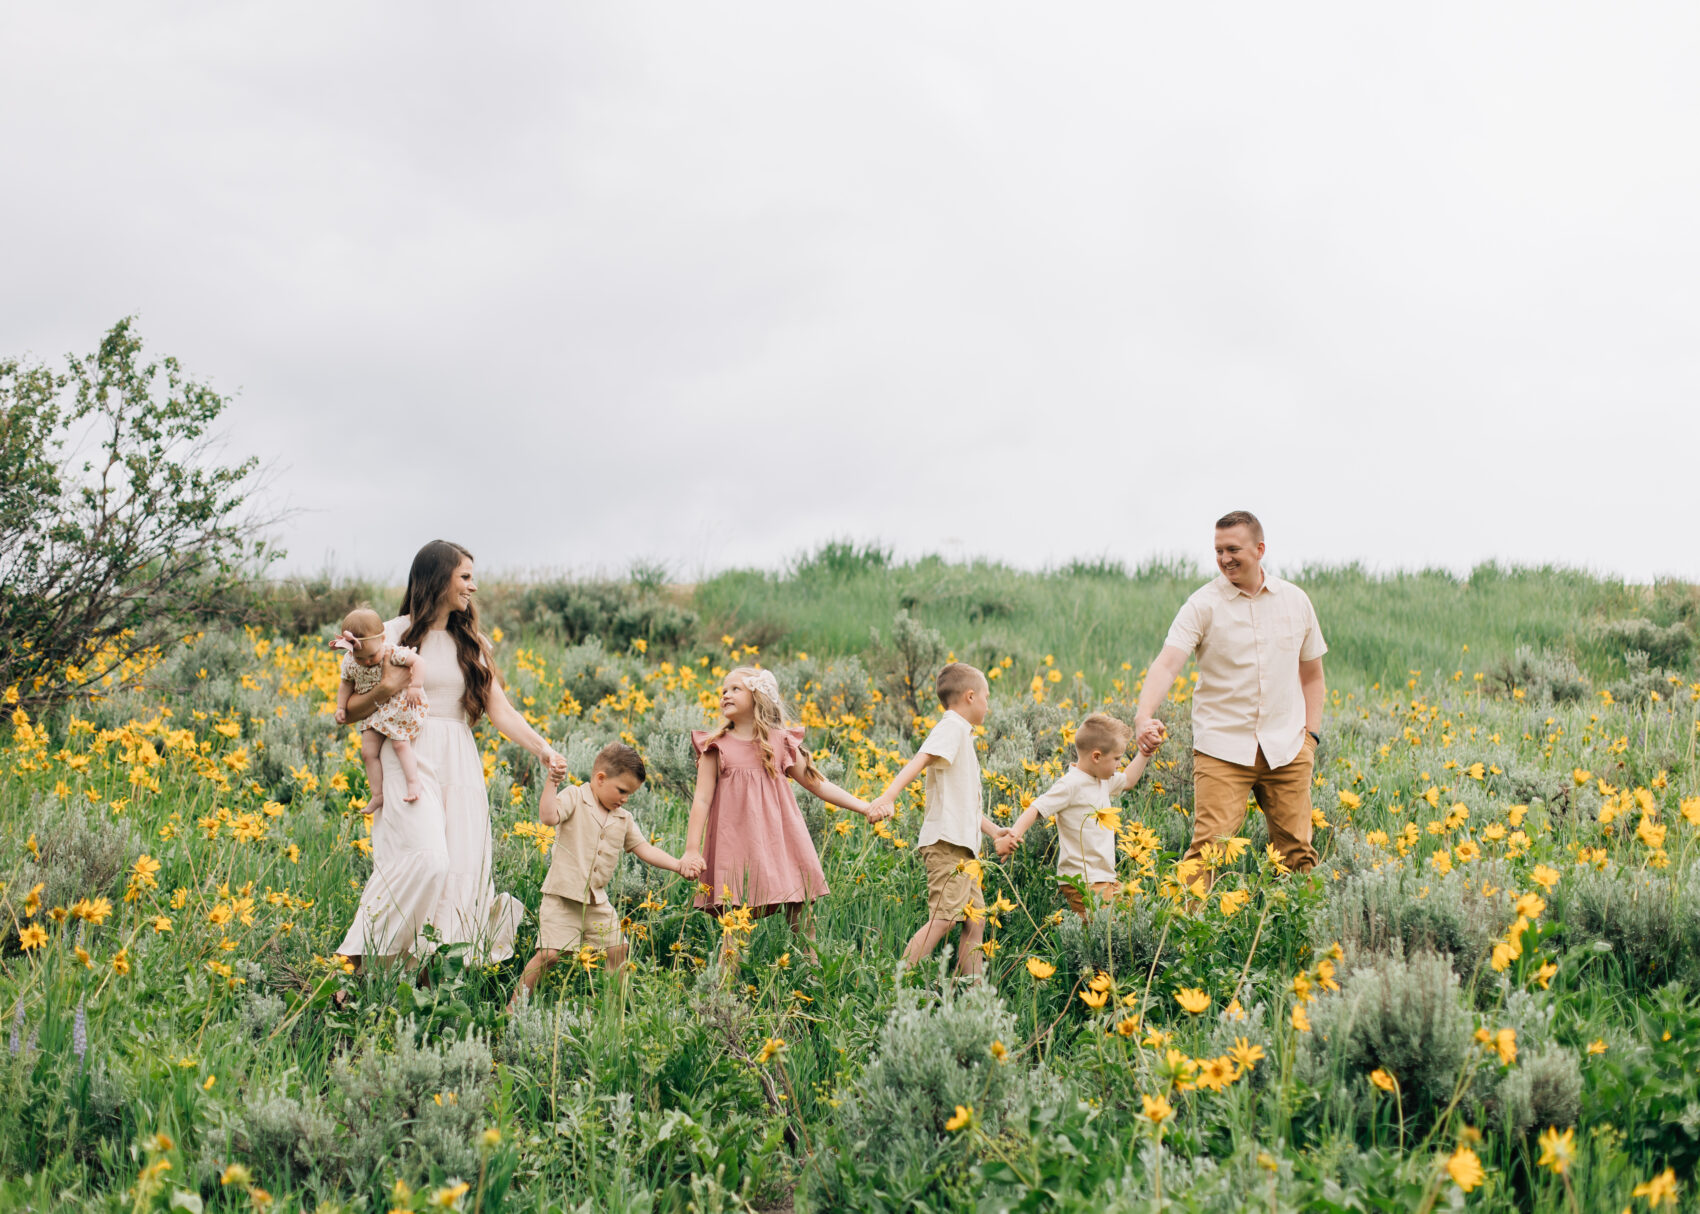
point(399, 718)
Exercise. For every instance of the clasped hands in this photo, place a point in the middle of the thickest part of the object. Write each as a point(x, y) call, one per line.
point(1150, 735)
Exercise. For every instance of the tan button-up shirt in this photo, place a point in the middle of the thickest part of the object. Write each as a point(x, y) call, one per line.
point(588, 843)
point(1249, 648)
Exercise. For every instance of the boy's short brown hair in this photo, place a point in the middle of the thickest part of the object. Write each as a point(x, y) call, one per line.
point(1100, 731)
point(618, 759)
point(957, 679)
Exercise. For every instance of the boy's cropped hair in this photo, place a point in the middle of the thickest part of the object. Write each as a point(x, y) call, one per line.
point(1242, 518)
point(1100, 731)
point(955, 680)
point(618, 759)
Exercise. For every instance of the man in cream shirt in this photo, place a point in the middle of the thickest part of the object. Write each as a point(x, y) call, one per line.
point(1257, 709)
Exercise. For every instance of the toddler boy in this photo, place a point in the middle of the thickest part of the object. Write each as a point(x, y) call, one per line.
point(1086, 848)
point(592, 829)
point(949, 843)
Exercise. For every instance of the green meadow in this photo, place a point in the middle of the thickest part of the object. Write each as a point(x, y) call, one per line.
point(1486, 997)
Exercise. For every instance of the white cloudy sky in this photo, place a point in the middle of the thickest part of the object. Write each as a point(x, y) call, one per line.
point(712, 283)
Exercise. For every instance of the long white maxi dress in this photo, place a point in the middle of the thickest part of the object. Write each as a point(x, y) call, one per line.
point(431, 857)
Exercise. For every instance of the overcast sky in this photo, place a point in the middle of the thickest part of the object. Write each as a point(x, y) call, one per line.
point(709, 284)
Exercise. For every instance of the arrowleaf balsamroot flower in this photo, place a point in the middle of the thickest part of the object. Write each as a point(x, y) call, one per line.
point(963, 1118)
point(1384, 1080)
point(1040, 970)
point(1557, 1150)
point(1156, 1109)
point(1192, 1000)
point(1465, 1169)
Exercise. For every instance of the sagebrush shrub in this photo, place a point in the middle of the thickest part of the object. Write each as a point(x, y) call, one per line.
point(1402, 1016)
point(1650, 921)
point(934, 1053)
point(414, 1112)
point(1375, 912)
point(82, 850)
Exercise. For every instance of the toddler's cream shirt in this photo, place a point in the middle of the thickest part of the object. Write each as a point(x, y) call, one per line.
point(588, 843)
point(1084, 848)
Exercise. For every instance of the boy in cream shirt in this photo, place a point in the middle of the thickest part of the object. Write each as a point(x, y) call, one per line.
point(1085, 847)
point(592, 830)
point(949, 844)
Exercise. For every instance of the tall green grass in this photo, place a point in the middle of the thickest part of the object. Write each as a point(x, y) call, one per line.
point(1100, 615)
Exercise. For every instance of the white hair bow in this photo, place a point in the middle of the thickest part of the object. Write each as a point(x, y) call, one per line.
point(762, 682)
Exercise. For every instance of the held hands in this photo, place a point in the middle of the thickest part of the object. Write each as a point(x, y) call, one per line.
point(555, 764)
point(691, 864)
point(880, 808)
point(1006, 844)
point(1152, 734)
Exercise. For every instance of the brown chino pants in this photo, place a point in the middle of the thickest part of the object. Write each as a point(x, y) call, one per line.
point(1219, 792)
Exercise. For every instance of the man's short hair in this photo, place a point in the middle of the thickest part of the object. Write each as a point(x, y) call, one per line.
point(618, 759)
point(1242, 518)
point(955, 680)
point(1100, 731)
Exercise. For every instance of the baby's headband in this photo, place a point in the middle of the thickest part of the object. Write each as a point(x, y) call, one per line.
point(347, 641)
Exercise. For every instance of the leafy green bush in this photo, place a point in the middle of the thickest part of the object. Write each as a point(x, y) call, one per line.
point(1542, 676)
point(120, 531)
point(615, 612)
point(1385, 912)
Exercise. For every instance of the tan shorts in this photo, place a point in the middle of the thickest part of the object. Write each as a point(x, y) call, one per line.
point(565, 926)
point(951, 889)
point(1104, 889)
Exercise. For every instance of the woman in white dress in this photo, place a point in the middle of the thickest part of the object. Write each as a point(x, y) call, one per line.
point(431, 857)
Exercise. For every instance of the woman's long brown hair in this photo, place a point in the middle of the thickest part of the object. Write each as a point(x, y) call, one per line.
point(429, 581)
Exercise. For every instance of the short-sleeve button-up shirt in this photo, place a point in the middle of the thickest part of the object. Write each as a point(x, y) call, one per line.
point(1249, 648)
point(588, 844)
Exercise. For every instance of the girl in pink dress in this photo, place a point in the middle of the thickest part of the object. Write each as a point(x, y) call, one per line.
point(746, 833)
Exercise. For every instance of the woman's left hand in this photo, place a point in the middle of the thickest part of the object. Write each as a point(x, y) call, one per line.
point(556, 764)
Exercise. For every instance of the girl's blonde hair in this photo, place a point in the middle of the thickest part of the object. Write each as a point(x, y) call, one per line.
point(769, 715)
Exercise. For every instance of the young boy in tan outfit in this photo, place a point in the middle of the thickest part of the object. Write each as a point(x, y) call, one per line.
point(949, 843)
point(1086, 848)
point(592, 829)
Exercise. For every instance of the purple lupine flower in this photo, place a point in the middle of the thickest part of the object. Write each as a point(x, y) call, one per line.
point(17, 1028)
point(80, 1034)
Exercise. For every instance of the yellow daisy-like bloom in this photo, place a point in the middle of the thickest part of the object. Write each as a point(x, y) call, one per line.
point(1192, 999)
point(1245, 1055)
point(1157, 1109)
point(236, 1174)
point(1232, 902)
point(963, 1118)
point(1109, 819)
point(33, 936)
point(773, 1046)
point(121, 962)
point(1597, 1046)
point(1557, 1149)
point(1466, 1169)
point(1040, 970)
point(449, 1198)
point(1127, 1026)
point(1659, 1191)
point(1301, 1022)
point(1000, 1052)
point(1094, 999)
point(1544, 877)
point(1383, 1080)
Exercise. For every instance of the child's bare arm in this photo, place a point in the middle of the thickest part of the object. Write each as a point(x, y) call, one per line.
point(708, 773)
point(1023, 824)
point(1128, 776)
point(344, 689)
point(656, 858)
point(992, 828)
point(826, 790)
point(885, 804)
point(549, 804)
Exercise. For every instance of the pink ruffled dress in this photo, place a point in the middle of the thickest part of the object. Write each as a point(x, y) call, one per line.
point(756, 844)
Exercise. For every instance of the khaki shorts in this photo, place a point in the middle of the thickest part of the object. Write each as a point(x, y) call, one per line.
point(565, 926)
point(1104, 889)
point(951, 889)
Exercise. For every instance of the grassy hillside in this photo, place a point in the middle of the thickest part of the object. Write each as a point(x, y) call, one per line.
point(1497, 964)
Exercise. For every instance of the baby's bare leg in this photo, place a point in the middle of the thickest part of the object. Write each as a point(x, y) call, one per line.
point(371, 748)
point(409, 767)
